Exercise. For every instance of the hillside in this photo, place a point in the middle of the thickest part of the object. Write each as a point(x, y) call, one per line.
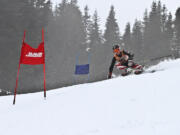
point(146, 104)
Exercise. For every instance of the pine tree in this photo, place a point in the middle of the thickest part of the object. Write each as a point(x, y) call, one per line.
point(95, 34)
point(112, 34)
point(74, 2)
point(155, 18)
point(87, 24)
point(127, 40)
point(43, 12)
point(169, 27)
point(66, 43)
point(169, 32)
point(164, 18)
point(145, 33)
point(56, 11)
point(159, 13)
point(177, 31)
point(153, 33)
point(40, 3)
point(137, 40)
point(166, 32)
point(61, 7)
point(145, 20)
point(97, 50)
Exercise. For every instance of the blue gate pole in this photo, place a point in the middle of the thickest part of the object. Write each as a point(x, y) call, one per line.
point(89, 65)
point(77, 61)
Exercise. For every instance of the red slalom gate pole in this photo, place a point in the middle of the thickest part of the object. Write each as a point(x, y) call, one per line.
point(44, 81)
point(17, 78)
point(15, 91)
point(44, 67)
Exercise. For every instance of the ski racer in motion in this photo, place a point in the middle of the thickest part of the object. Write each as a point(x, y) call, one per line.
point(122, 60)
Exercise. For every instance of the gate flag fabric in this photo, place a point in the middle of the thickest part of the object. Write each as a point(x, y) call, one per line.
point(31, 56)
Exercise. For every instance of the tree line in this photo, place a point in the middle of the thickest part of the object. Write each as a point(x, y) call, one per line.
point(69, 32)
point(15, 17)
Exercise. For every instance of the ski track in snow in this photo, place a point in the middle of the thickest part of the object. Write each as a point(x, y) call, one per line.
point(146, 104)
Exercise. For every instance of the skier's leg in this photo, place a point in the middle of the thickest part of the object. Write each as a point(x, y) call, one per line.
point(138, 69)
point(124, 72)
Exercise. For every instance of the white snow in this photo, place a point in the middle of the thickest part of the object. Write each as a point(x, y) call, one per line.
point(146, 104)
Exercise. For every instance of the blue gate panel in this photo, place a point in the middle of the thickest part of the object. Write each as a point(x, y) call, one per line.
point(82, 69)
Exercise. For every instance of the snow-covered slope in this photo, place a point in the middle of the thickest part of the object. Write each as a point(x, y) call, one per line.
point(146, 104)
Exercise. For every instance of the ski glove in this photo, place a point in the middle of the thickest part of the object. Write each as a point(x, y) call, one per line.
point(109, 75)
point(131, 56)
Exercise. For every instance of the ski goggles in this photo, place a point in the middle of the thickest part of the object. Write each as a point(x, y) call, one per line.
point(116, 50)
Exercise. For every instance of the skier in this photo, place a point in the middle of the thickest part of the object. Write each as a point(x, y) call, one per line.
point(123, 60)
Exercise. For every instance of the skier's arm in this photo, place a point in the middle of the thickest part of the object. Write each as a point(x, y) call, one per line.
point(129, 54)
point(111, 67)
point(126, 53)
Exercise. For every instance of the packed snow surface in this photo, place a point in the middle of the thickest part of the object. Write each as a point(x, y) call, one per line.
point(146, 104)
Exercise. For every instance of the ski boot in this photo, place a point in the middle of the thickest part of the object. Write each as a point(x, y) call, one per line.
point(126, 72)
